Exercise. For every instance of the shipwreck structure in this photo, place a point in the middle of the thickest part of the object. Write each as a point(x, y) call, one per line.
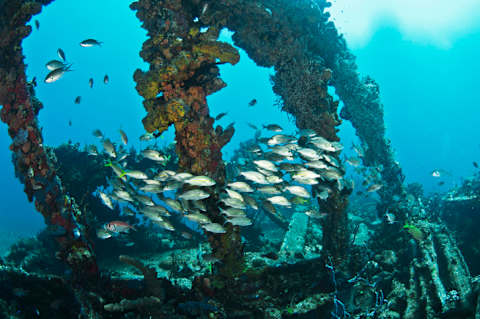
point(297, 39)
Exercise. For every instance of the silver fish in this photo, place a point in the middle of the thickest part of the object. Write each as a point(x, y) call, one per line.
point(174, 204)
point(279, 200)
point(136, 174)
point(234, 194)
point(266, 165)
point(255, 177)
point(234, 202)
point(214, 228)
point(240, 221)
point(55, 64)
point(55, 75)
point(109, 148)
point(106, 199)
point(298, 191)
point(198, 218)
point(241, 187)
point(232, 212)
point(194, 194)
point(200, 181)
point(153, 155)
point(250, 201)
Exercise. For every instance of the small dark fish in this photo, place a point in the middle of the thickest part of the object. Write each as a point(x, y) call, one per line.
point(106, 79)
point(70, 123)
point(37, 24)
point(78, 99)
point(97, 133)
point(252, 102)
point(273, 127)
point(229, 127)
point(475, 164)
point(90, 83)
point(270, 255)
point(441, 183)
point(34, 81)
point(219, 116)
point(252, 126)
point(90, 43)
point(61, 54)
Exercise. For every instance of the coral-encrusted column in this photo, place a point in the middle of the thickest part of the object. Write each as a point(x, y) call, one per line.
point(32, 163)
point(183, 71)
point(270, 38)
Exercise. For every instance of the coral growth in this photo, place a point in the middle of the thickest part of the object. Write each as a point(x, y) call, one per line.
point(33, 165)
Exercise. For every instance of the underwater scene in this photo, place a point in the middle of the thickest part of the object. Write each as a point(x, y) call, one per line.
point(239, 159)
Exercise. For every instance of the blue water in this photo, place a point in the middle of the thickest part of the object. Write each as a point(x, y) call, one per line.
point(429, 94)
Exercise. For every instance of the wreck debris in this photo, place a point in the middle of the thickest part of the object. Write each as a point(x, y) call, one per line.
point(137, 304)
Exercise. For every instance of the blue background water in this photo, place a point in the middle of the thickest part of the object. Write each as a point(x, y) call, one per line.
point(429, 93)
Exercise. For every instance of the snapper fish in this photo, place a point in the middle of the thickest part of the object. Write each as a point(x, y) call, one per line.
point(321, 143)
point(194, 194)
point(92, 150)
point(106, 199)
point(250, 201)
point(117, 226)
point(153, 155)
point(240, 187)
point(106, 79)
point(298, 191)
point(270, 190)
point(232, 212)
point(240, 221)
point(182, 177)
point(374, 188)
point(198, 218)
point(280, 139)
point(269, 166)
point(234, 202)
point(165, 225)
point(200, 181)
point(279, 200)
point(274, 179)
point(90, 82)
point(146, 137)
point(234, 194)
point(309, 154)
point(214, 228)
point(255, 177)
point(173, 204)
point(116, 169)
point(109, 148)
